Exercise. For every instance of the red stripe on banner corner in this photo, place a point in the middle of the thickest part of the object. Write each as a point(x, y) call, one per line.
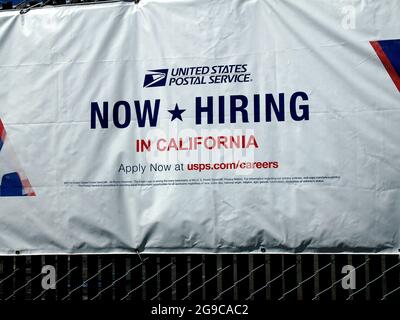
point(2, 132)
point(28, 190)
point(386, 63)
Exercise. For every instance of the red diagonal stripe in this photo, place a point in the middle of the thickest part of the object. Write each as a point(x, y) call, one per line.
point(28, 190)
point(2, 132)
point(386, 62)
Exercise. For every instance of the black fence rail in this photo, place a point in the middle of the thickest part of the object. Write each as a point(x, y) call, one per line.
point(31, 4)
point(200, 277)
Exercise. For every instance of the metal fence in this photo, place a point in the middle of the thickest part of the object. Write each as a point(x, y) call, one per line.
point(200, 277)
point(23, 4)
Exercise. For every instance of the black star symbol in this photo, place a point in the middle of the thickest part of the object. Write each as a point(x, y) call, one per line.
point(176, 113)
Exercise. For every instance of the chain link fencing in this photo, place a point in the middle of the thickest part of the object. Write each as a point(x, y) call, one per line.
point(200, 277)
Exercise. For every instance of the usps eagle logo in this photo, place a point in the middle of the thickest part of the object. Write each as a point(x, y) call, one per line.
point(388, 52)
point(155, 78)
point(13, 181)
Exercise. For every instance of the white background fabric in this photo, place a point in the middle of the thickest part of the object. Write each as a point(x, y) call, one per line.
point(55, 61)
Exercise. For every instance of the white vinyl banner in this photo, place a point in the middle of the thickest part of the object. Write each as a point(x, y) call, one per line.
point(201, 126)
